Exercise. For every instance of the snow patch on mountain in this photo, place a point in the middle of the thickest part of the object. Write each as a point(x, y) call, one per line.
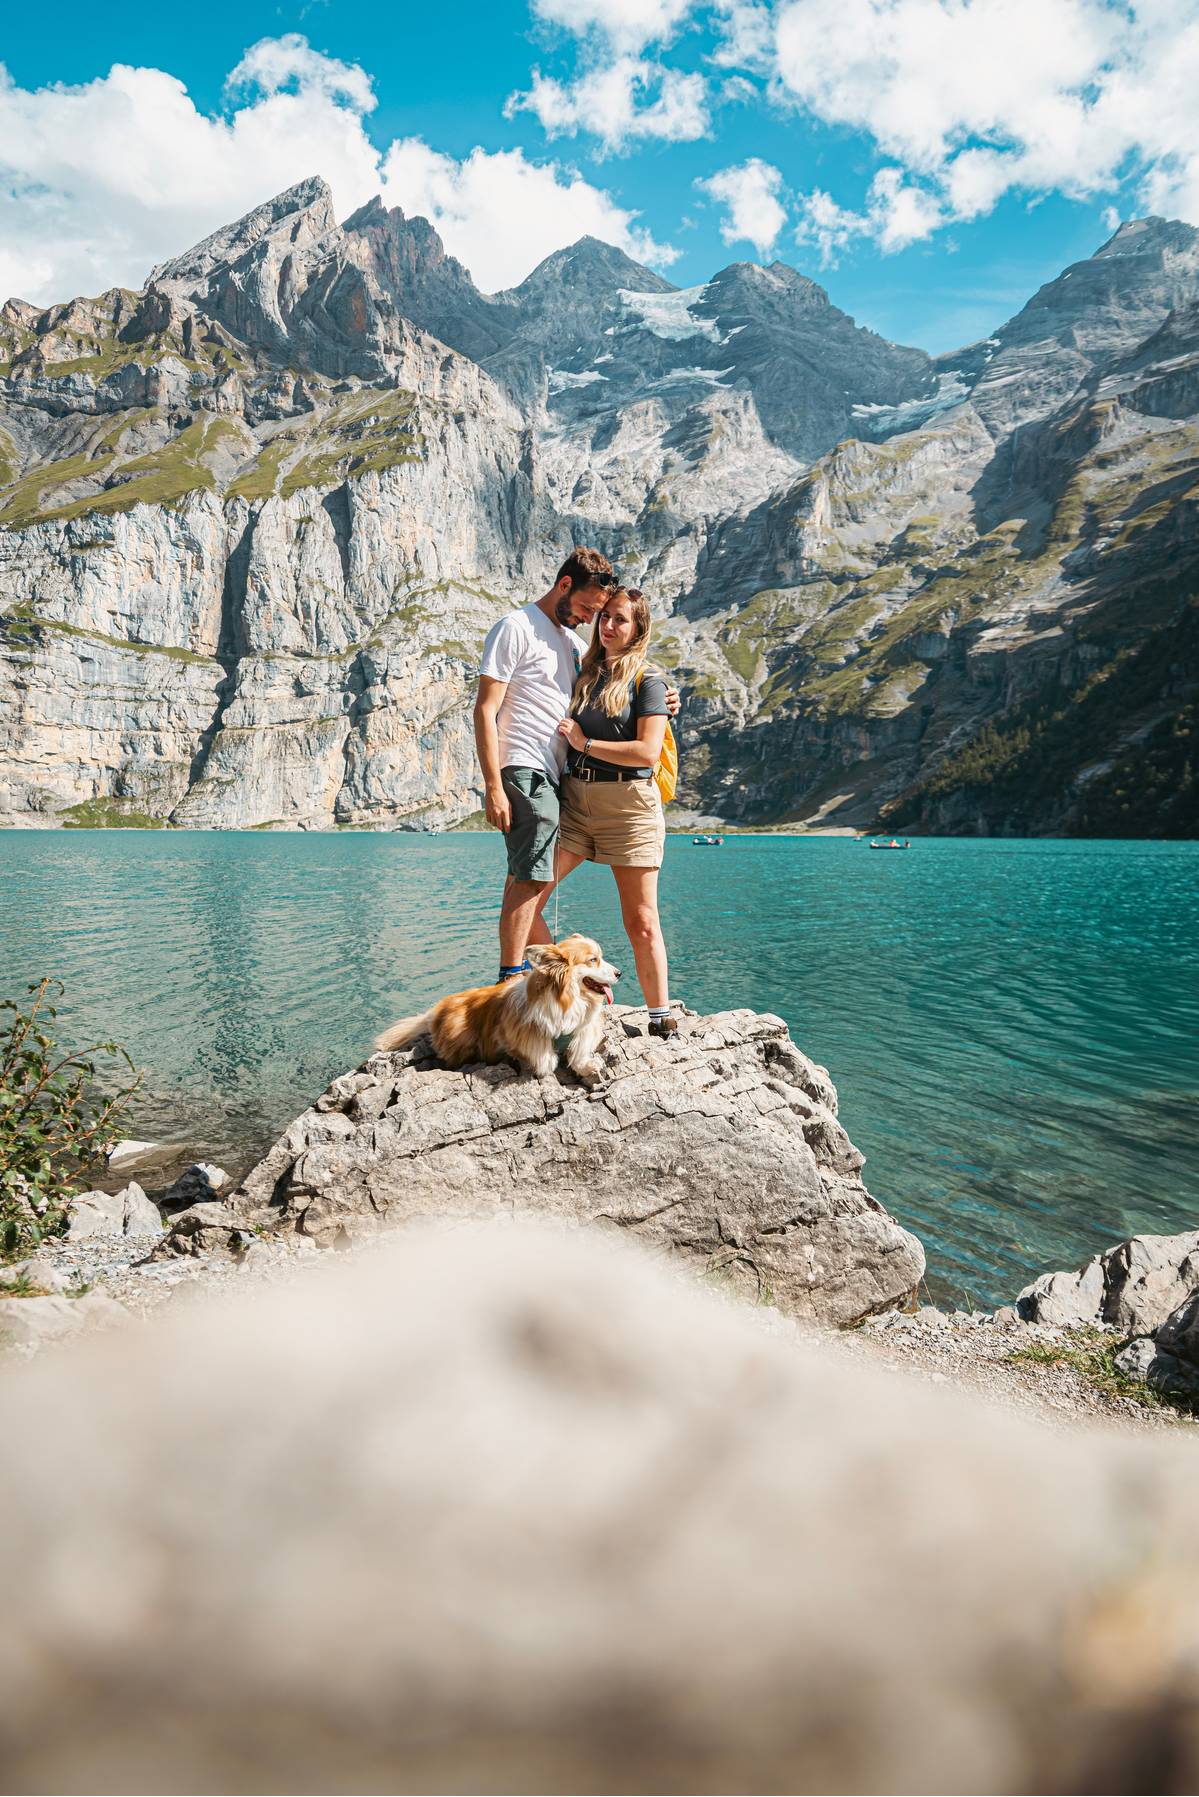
point(880, 421)
point(669, 315)
point(713, 376)
point(560, 379)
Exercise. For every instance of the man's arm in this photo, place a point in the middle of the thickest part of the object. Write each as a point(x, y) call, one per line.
point(488, 700)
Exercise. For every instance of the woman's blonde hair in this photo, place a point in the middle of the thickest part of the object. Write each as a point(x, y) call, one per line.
point(623, 669)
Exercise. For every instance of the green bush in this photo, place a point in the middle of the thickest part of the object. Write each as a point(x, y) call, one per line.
point(55, 1118)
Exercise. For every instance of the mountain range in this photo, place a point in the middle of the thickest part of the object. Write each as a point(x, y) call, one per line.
point(256, 517)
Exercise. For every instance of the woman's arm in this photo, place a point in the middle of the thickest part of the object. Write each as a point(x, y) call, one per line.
point(644, 752)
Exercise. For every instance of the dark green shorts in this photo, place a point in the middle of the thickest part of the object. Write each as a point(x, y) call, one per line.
point(532, 839)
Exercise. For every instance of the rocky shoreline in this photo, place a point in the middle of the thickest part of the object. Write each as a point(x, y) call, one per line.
point(724, 1151)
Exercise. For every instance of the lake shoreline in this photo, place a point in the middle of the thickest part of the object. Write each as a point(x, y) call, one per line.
point(1015, 1051)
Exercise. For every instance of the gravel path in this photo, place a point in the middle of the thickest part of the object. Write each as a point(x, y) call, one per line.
point(974, 1352)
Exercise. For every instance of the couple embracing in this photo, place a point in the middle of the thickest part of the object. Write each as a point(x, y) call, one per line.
point(569, 735)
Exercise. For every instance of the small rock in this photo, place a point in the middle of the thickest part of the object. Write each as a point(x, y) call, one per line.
point(1149, 1358)
point(127, 1212)
point(141, 1216)
point(197, 1184)
point(122, 1154)
point(96, 1213)
point(1136, 1359)
point(210, 1228)
point(257, 1257)
point(1007, 1313)
point(38, 1270)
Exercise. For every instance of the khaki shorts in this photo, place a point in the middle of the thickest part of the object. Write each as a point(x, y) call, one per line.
point(618, 823)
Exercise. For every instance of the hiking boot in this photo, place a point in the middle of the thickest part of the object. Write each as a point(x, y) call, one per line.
point(665, 1028)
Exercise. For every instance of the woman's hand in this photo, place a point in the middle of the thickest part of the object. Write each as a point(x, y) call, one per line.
point(570, 730)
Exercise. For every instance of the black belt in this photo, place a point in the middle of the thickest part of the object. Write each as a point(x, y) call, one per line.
point(579, 770)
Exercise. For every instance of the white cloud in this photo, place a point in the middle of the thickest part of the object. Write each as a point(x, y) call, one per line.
point(746, 41)
point(751, 192)
point(896, 215)
point(501, 214)
point(100, 181)
point(831, 228)
point(922, 76)
point(603, 102)
point(628, 25)
point(276, 62)
point(970, 99)
point(899, 213)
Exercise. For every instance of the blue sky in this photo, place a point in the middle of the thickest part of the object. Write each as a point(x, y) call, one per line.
point(931, 162)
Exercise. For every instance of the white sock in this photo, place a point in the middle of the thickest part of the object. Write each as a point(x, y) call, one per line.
point(657, 1012)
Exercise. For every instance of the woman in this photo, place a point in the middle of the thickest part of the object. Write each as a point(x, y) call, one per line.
point(611, 807)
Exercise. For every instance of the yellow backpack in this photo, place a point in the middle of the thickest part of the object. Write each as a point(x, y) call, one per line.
point(666, 773)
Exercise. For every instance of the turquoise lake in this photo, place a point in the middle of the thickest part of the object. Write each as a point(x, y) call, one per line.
point(1012, 1026)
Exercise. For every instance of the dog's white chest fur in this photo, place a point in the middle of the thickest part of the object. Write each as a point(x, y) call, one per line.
point(543, 1022)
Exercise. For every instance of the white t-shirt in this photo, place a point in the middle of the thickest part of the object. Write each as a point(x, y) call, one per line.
point(540, 661)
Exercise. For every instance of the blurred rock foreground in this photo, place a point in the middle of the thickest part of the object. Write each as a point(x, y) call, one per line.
point(515, 1507)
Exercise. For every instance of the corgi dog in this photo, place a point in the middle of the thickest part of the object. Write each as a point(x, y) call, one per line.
point(563, 995)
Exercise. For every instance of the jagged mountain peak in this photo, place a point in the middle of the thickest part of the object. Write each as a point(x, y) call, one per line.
point(1150, 235)
point(1084, 321)
point(310, 201)
point(408, 241)
point(767, 277)
point(1155, 259)
point(590, 263)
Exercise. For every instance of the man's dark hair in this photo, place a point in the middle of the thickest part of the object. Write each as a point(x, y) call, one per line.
point(583, 566)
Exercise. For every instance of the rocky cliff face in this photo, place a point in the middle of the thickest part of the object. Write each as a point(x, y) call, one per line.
point(255, 519)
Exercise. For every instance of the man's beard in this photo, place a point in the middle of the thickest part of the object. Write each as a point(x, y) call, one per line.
point(565, 613)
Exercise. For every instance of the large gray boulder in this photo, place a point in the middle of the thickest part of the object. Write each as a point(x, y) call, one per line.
point(723, 1147)
point(1133, 1287)
point(511, 1508)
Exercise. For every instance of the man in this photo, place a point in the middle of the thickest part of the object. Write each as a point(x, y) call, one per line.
point(530, 661)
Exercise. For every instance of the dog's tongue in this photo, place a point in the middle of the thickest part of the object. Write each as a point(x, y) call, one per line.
point(607, 995)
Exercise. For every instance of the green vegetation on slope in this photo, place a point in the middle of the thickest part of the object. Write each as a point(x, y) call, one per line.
point(109, 814)
point(24, 621)
point(1024, 766)
point(163, 477)
point(365, 436)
